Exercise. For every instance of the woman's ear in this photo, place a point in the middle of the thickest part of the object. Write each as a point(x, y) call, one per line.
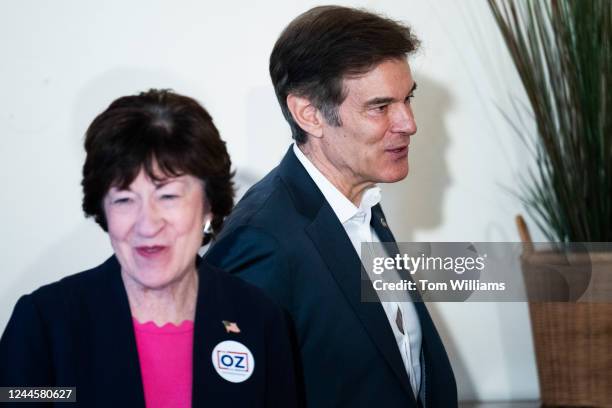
point(208, 229)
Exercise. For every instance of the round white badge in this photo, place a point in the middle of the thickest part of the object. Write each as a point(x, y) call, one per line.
point(233, 361)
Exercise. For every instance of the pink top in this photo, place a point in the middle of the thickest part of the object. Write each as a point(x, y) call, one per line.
point(165, 355)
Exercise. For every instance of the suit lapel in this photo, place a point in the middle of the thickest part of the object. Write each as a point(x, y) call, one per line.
point(211, 309)
point(214, 305)
point(203, 343)
point(115, 358)
point(430, 336)
point(336, 249)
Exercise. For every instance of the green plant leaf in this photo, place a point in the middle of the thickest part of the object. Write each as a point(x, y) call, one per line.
point(562, 51)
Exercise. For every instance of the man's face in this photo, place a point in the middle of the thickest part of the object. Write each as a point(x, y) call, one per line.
point(371, 145)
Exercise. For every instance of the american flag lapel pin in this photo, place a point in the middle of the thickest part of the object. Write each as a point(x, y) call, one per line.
point(230, 327)
point(383, 222)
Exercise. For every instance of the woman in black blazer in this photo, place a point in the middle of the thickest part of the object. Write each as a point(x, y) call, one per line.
point(154, 325)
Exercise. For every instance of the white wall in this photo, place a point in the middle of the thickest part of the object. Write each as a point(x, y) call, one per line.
point(62, 62)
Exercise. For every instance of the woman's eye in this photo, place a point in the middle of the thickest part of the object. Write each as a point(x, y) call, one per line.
point(169, 196)
point(122, 200)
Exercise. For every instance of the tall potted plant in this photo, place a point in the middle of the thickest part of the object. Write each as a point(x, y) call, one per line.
point(562, 50)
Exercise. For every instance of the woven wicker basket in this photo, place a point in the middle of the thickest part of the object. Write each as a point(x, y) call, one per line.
point(573, 341)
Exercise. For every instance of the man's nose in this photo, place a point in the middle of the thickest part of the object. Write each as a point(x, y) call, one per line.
point(150, 219)
point(403, 120)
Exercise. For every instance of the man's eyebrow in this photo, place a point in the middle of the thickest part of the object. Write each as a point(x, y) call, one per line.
point(379, 101)
point(385, 100)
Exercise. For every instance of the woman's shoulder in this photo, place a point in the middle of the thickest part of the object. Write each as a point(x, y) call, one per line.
point(39, 338)
point(50, 296)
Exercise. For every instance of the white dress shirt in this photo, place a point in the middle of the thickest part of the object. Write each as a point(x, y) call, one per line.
point(356, 223)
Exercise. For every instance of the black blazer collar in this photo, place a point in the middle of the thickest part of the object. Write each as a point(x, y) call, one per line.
point(112, 335)
point(304, 192)
point(114, 331)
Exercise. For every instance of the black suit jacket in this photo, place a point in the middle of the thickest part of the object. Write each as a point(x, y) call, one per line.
point(79, 332)
point(284, 237)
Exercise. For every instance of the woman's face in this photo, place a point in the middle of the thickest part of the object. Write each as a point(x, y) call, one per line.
point(155, 228)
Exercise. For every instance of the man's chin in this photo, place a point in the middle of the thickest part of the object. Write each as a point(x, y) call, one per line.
point(395, 176)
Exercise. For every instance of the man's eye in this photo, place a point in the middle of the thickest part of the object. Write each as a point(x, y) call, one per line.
point(380, 109)
point(409, 98)
point(169, 196)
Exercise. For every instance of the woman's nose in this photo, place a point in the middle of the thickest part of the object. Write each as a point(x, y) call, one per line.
point(150, 220)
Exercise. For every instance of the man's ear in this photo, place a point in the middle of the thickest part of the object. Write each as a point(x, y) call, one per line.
point(306, 115)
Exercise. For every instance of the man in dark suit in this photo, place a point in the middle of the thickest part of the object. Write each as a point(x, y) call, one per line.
point(345, 87)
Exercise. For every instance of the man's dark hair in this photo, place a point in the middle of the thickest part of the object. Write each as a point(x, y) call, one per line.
point(162, 128)
point(326, 44)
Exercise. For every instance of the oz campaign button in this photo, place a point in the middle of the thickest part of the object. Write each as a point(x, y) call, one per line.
point(233, 361)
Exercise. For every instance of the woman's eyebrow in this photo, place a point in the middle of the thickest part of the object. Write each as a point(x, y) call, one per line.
point(162, 183)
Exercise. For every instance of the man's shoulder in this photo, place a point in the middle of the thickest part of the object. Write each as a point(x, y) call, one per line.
point(250, 299)
point(260, 234)
point(263, 204)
